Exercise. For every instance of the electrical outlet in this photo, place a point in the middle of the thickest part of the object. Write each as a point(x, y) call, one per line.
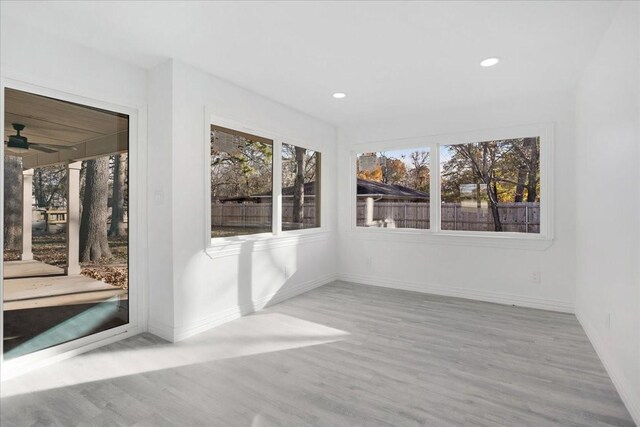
point(535, 276)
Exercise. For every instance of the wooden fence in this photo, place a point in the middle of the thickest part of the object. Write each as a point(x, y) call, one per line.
point(257, 214)
point(515, 217)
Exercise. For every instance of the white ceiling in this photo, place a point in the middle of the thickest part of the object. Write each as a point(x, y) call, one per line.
point(391, 58)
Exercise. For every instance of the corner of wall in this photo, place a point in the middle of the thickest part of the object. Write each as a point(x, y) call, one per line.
point(630, 396)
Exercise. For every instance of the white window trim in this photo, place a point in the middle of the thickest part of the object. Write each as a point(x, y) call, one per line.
point(225, 246)
point(137, 252)
point(435, 235)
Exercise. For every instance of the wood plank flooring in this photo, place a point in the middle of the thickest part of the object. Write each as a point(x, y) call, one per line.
point(31, 268)
point(38, 292)
point(340, 355)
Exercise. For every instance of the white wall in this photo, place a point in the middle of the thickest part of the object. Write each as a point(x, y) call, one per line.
point(160, 134)
point(608, 203)
point(210, 288)
point(487, 273)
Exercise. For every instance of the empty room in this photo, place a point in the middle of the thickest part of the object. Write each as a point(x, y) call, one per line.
point(320, 213)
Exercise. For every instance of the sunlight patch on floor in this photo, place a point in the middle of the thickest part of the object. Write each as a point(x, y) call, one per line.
point(247, 336)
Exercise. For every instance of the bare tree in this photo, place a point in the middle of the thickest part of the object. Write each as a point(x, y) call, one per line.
point(117, 227)
point(534, 164)
point(93, 225)
point(13, 203)
point(528, 160)
point(49, 186)
point(482, 158)
point(298, 187)
point(420, 170)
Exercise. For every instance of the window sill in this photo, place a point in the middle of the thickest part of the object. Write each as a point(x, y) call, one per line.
point(478, 239)
point(233, 246)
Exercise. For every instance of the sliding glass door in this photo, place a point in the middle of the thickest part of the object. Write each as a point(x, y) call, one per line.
point(66, 228)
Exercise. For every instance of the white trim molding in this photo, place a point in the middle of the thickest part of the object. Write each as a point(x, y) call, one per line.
point(264, 241)
point(472, 294)
point(218, 318)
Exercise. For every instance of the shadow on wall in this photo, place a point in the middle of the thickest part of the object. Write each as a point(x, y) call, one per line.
point(245, 279)
point(278, 275)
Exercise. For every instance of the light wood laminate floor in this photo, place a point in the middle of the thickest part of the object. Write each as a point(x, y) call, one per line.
point(340, 355)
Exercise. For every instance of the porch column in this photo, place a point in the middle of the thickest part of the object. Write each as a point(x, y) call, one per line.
point(27, 214)
point(368, 212)
point(73, 219)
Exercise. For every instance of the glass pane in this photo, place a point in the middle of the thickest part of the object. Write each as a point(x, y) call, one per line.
point(491, 186)
point(300, 188)
point(393, 189)
point(66, 222)
point(241, 183)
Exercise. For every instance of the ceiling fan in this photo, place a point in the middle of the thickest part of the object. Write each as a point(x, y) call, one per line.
point(20, 143)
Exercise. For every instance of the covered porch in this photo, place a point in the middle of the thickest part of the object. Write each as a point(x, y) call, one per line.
point(46, 301)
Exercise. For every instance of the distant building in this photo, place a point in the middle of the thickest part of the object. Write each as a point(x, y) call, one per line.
point(365, 189)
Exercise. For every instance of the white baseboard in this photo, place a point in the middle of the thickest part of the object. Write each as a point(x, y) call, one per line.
point(629, 396)
point(474, 294)
point(160, 330)
point(232, 313)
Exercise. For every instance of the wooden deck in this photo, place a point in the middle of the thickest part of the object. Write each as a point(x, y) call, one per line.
point(34, 284)
point(32, 268)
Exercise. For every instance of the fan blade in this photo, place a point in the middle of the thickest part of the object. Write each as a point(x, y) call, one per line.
point(42, 148)
point(53, 147)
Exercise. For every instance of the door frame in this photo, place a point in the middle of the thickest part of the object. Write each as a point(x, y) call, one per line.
point(138, 262)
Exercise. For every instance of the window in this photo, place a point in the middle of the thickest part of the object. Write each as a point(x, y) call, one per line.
point(300, 188)
point(244, 169)
point(241, 183)
point(487, 187)
point(491, 186)
point(393, 189)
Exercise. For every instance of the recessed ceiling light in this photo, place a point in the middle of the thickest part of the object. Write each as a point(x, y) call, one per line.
point(339, 95)
point(489, 62)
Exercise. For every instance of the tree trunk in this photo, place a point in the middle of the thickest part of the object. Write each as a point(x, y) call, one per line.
point(13, 203)
point(492, 192)
point(298, 188)
point(520, 186)
point(532, 181)
point(38, 188)
point(117, 227)
point(93, 225)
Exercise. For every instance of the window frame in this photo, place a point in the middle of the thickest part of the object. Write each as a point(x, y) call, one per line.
point(231, 245)
point(138, 195)
point(435, 234)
